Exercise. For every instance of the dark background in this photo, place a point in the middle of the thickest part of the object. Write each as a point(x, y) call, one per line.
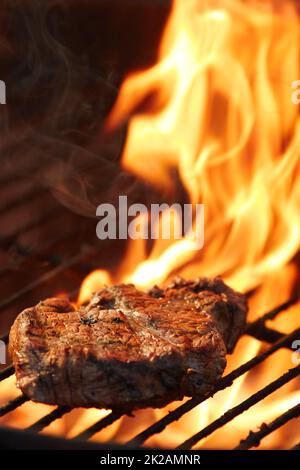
point(63, 63)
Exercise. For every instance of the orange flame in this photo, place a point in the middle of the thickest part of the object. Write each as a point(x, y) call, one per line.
point(229, 126)
point(221, 114)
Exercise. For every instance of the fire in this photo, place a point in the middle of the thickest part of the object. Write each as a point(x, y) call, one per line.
point(230, 129)
point(94, 281)
point(222, 116)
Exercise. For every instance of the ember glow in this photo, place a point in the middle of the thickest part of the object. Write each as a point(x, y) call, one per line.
point(221, 114)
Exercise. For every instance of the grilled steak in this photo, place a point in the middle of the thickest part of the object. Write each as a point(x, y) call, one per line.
point(128, 349)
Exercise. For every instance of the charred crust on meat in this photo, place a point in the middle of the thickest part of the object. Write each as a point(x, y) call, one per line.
point(156, 292)
point(107, 303)
point(128, 349)
point(88, 321)
point(117, 320)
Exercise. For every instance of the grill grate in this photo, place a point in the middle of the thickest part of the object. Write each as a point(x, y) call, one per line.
point(221, 385)
point(30, 271)
point(239, 409)
point(252, 440)
point(66, 264)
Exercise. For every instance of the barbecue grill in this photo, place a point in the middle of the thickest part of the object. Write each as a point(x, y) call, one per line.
point(259, 331)
point(61, 269)
point(45, 247)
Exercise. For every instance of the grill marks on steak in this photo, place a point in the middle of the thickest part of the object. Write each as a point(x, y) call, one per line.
point(127, 349)
point(227, 307)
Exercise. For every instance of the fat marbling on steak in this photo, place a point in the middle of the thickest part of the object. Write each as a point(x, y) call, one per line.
point(128, 349)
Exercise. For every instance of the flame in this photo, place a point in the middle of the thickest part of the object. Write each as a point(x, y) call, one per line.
point(222, 116)
point(93, 282)
point(229, 127)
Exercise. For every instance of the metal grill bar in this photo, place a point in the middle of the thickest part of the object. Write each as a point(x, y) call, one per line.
point(101, 424)
point(225, 382)
point(258, 330)
point(272, 314)
point(48, 419)
point(7, 372)
point(296, 447)
point(13, 404)
point(267, 335)
point(254, 438)
point(239, 409)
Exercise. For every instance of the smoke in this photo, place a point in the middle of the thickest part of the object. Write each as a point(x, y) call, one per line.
point(62, 78)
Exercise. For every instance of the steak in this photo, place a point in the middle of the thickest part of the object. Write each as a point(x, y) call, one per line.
point(128, 349)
